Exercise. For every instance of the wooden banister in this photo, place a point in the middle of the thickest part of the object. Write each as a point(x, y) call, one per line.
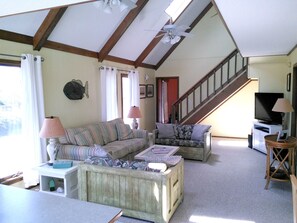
point(211, 84)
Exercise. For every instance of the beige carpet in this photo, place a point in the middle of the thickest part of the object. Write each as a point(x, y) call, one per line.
point(229, 188)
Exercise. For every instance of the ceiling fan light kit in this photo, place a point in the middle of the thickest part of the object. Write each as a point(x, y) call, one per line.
point(108, 5)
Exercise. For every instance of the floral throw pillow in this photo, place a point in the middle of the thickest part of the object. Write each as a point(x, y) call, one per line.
point(184, 131)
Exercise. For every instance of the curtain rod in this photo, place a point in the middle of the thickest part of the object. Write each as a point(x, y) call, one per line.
point(22, 57)
point(117, 69)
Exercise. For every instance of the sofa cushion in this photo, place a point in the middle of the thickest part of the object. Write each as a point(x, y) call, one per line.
point(120, 149)
point(109, 131)
point(180, 142)
point(101, 152)
point(84, 138)
point(71, 132)
point(166, 131)
point(96, 133)
point(198, 132)
point(124, 131)
point(184, 131)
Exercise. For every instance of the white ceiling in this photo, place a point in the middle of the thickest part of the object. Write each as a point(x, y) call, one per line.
point(261, 27)
point(13, 7)
point(258, 27)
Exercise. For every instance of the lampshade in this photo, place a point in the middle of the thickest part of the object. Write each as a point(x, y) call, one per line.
point(134, 112)
point(282, 105)
point(51, 128)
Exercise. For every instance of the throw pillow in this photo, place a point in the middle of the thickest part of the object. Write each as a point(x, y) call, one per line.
point(198, 132)
point(84, 138)
point(184, 131)
point(124, 131)
point(109, 132)
point(101, 152)
point(166, 131)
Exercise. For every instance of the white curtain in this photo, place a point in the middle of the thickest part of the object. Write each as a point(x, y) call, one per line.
point(134, 94)
point(164, 103)
point(109, 102)
point(133, 77)
point(34, 148)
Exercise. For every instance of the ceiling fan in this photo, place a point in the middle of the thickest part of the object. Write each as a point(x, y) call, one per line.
point(172, 33)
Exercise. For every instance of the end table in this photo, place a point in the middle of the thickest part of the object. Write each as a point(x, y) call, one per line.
point(282, 170)
point(65, 178)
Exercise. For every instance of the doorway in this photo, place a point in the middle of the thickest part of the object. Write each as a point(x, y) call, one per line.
point(167, 94)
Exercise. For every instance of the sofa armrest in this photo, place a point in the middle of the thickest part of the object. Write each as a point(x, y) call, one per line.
point(155, 134)
point(140, 133)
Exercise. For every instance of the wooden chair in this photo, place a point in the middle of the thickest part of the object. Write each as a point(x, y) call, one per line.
point(294, 196)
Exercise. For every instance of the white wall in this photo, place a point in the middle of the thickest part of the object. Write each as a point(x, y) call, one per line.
point(271, 72)
point(236, 116)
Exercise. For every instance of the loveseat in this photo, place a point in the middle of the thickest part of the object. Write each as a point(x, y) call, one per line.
point(115, 137)
point(147, 195)
point(194, 140)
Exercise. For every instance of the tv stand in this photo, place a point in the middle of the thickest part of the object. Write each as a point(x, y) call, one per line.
point(259, 131)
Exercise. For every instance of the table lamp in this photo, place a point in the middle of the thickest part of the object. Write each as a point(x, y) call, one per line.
point(51, 129)
point(282, 105)
point(134, 113)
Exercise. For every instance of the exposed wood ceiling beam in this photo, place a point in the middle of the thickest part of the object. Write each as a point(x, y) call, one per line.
point(148, 49)
point(15, 37)
point(128, 62)
point(47, 26)
point(121, 30)
point(70, 49)
point(194, 23)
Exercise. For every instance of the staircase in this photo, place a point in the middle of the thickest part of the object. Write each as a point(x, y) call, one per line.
point(212, 90)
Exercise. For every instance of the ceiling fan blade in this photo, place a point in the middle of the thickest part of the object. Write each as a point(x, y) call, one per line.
point(182, 27)
point(185, 34)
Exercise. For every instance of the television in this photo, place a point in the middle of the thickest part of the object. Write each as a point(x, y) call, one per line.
point(264, 103)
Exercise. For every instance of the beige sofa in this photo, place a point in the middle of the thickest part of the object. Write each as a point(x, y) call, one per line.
point(152, 196)
point(194, 141)
point(116, 138)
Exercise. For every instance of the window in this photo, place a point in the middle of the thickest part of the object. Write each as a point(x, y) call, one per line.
point(10, 120)
point(176, 8)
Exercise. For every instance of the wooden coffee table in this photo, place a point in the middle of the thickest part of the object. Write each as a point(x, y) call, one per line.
point(157, 152)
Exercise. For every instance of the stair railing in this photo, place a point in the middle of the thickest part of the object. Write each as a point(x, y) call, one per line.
point(210, 85)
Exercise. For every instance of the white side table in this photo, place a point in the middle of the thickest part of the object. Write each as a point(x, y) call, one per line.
point(65, 178)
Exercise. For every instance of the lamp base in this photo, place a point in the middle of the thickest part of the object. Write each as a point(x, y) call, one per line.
point(134, 124)
point(51, 150)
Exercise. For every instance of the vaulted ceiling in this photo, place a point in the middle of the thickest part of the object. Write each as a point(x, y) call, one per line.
point(132, 37)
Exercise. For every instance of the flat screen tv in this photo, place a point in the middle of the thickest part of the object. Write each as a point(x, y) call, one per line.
point(264, 103)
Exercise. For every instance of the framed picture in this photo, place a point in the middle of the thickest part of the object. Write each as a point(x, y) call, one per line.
point(142, 91)
point(282, 135)
point(149, 90)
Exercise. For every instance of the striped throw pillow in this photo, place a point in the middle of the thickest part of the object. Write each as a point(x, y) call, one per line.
point(84, 138)
point(124, 131)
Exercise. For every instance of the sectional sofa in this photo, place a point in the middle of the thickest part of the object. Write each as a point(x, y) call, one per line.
point(194, 141)
point(115, 137)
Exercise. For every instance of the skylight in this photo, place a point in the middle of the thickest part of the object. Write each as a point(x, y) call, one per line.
point(176, 7)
